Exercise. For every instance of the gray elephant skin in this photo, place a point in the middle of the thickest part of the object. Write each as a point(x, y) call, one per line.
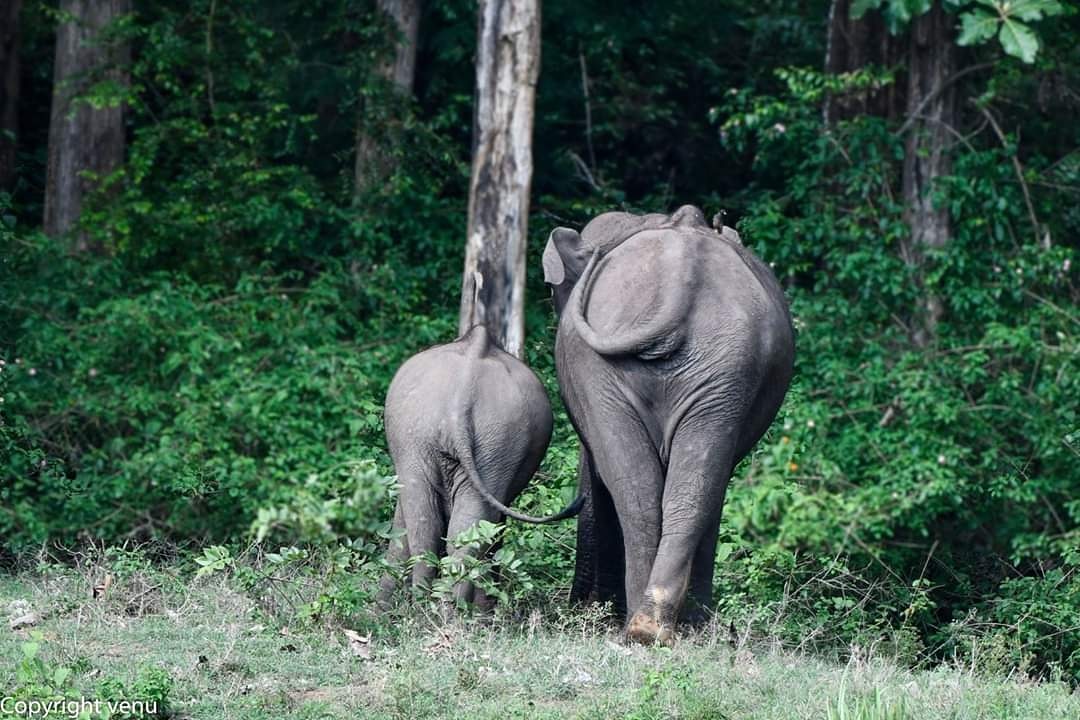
point(467, 426)
point(674, 351)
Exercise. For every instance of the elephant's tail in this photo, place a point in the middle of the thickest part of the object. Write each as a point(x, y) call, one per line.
point(465, 457)
point(650, 342)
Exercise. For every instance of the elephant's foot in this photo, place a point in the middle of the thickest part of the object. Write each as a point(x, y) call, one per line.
point(645, 629)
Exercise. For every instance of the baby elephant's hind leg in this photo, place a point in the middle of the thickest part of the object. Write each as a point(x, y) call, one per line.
point(425, 522)
point(396, 553)
point(469, 509)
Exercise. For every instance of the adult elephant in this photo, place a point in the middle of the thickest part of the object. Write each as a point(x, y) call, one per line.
point(674, 350)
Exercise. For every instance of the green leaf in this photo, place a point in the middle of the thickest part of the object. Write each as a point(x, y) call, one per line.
point(1018, 40)
point(724, 551)
point(977, 26)
point(1030, 10)
point(914, 8)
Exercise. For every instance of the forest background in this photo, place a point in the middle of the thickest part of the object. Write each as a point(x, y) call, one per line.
point(270, 222)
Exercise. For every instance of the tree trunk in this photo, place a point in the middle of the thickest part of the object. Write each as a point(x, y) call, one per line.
point(9, 90)
point(378, 127)
point(932, 110)
point(507, 68)
point(852, 45)
point(83, 140)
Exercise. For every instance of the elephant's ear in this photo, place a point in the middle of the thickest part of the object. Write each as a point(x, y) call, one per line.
point(563, 248)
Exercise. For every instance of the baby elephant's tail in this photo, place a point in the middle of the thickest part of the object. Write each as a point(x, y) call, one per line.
point(465, 457)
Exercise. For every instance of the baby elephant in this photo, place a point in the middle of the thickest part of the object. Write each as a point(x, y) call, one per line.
point(467, 425)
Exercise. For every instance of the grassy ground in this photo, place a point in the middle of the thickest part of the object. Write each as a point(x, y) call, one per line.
point(228, 658)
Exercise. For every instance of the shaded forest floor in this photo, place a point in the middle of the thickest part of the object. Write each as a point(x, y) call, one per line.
point(211, 651)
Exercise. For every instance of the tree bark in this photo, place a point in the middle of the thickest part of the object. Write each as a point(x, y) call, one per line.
point(932, 112)
point(85, 143)
point(507, 68)
point(853, 44)
point(377, 127)
point(9, 90)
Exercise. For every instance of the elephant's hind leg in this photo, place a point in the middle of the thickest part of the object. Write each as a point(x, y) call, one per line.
point(697, 477)
point(627, 463)
point(701, 577)
point(396, 553)
point(469, 508)
point(599, 568)
point(424, 511)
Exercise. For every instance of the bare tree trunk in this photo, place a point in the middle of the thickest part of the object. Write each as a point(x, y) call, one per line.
point(852, 45)
point(9, 89)
point(507, 68)
point(377, 128)
point(932, 111)
point(83, 139)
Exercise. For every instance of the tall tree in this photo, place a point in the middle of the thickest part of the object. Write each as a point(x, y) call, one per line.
point(507, 68)
point(929, 34)
point(854, 43)
point(925, 47)
point(9, 89)
point(931, 121)
point(377, 128)
point(85, 141)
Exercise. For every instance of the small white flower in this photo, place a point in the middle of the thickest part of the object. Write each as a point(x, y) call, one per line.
point(32, 372)
point(1, 399)
point(940, 459)
point(92, 373)
point(18, 361)
point(787, 424)
point(1066, 265)
point(1019, 271)
point(810, 424)
point(997, 268)
point(780, 128)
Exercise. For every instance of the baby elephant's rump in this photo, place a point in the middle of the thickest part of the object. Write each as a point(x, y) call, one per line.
point(467, 426)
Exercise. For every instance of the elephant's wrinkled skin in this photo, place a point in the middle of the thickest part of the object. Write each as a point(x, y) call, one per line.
point(467, 426)
point(674, 350)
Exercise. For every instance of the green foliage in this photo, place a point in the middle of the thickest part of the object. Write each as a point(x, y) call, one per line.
point(980, 21)
point(1033, 620)
point(1011, 21)
point(474, 557)
point(335, 503)
point(43, 687)
point(37, 679)
point(190, 405)
point(146, 697)
point(900, 487)
point(213, 559)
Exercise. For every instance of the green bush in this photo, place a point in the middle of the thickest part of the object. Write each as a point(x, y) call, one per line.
point(940, 477)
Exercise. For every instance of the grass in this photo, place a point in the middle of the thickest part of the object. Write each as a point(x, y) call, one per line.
point(228, 658)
